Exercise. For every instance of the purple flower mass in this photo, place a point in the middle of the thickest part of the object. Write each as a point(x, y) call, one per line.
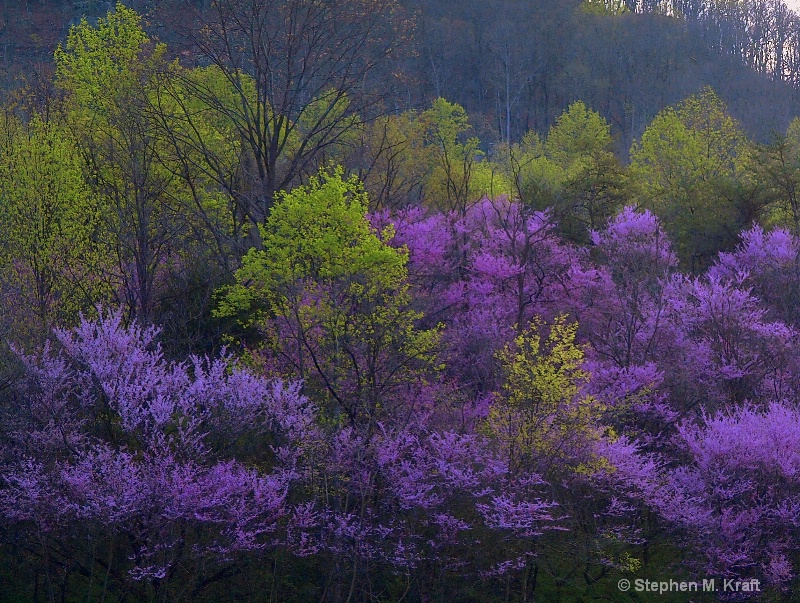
point(675, 426)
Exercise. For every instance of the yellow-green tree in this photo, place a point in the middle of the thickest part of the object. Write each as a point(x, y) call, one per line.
point(201, 148)
point(535, 179)
point(163, 206)
point(692, 168)
point(108, 71)
point(573, 172)
point(430, 157)
point(580, 144)
point(48, 221)
point(778, 170)
point(98, 63)
point(541, 417)
point(330, 298)
point(458, 174)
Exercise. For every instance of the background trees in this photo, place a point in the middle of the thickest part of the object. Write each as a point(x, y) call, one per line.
point(303, 76)
point(626, 65)
point(692, 167)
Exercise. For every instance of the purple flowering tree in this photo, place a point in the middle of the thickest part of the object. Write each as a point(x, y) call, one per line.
point(141, 472)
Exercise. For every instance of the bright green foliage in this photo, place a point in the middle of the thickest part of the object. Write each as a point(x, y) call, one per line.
point(690, 168)
point(578, 134)
point(580, 143)
point(208, 114)
point(538, 180)
point(317, 232)
point(120, 105)
point(98, 62)
point(488, 180)
point(331, 297)
point(195, 126)
point(48, 219)
point(109, 73)
point(722, 141)
point(778, 170)
point(447, 123)
point(694, 143)
point(541, 411)
point(326, 116)
point(573, 172)
point(451, 155)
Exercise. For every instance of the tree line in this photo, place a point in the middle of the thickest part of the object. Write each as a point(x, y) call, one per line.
point(514, 66)
point(131, 162)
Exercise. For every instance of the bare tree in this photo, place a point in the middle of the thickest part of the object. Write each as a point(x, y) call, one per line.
point(303, 75)
point(511, 66)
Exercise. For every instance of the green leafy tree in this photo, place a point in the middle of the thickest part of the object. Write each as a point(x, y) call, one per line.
point(168, 219)
point(543, 421)
point(99, 62)
point(692, 168)
point(331, 298)
point(458, 174)
point(573, 172)
point(580, 144)
point(198, 151)
point(109, 71)
point(542, 412)
point(778, 169)
point(535, 178)
point(577, 134)
point(48, 220)
point(429, 157)
point(204, 153)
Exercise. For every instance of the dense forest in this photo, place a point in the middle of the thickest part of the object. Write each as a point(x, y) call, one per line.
point(514, 65)
point(380, 301)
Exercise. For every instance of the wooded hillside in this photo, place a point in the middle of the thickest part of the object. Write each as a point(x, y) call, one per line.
point(363, 301)
point(515, 65)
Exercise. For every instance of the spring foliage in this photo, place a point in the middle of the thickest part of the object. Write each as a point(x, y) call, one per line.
point(512, 372)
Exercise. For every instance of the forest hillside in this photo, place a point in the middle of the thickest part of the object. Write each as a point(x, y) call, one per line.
point(515, 65)
point(362, 301)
